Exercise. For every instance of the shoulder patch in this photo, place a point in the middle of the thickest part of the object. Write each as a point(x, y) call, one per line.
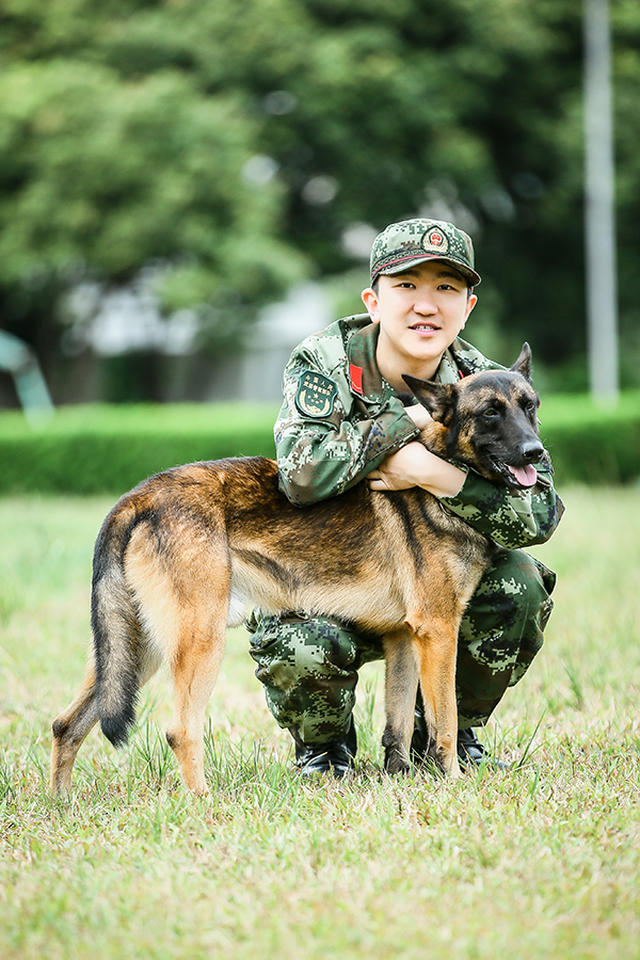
point(316, 394)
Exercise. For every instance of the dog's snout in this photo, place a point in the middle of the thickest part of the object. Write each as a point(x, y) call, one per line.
point(532, 451)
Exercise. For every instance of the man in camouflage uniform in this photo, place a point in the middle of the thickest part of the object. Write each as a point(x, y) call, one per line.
point(346, 417)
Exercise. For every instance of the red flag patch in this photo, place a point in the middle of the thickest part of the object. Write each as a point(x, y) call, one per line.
point(355, 374)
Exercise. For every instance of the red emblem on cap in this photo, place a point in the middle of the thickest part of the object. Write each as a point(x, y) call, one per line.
point(355, 374)
point(436, 239)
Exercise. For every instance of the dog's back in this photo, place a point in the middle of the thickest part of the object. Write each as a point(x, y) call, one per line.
point(193, 546)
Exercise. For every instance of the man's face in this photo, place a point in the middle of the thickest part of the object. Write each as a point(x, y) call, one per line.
point(420, 312)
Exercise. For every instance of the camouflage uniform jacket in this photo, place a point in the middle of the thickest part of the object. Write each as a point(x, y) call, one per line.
point(340, 419)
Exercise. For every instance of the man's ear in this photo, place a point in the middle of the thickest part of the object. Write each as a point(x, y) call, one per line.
point(523, 363)
point(437, 398)
point(370, 300)
point(471, 302)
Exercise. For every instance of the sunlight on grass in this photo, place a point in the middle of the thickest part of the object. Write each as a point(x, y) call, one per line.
point(539, 862)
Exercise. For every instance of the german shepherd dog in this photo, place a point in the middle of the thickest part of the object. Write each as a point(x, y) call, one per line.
point(190, 550)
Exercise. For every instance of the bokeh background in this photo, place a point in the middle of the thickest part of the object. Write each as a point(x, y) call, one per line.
point(188, 188)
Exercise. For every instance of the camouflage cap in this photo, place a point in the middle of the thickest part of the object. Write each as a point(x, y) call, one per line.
point(409, 242)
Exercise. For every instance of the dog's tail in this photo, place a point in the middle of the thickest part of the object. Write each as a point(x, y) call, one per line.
point(117, 635)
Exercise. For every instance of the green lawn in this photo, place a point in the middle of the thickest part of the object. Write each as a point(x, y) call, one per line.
point(541, 862)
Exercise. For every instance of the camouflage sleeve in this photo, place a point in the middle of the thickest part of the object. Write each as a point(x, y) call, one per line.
point(321, 456)
point(513, 520)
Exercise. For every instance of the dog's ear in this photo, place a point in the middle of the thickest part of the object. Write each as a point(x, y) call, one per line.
point(523, 363)
point(437, 398)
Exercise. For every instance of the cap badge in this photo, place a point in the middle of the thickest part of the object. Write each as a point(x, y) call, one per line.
point(435, 241)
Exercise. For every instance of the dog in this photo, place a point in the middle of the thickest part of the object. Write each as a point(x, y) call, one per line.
point(190, 550)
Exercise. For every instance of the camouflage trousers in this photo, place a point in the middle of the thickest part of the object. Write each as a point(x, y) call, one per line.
point(309, 665)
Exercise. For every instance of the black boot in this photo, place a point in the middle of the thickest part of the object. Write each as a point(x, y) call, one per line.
point(471, 753)
point(335, 757)
point(470, 750)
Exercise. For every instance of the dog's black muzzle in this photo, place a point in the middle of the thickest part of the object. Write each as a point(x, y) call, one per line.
point(531, 452)
point(512, 464)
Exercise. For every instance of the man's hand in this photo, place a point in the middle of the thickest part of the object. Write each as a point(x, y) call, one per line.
point(415, 466)
point(419, 414)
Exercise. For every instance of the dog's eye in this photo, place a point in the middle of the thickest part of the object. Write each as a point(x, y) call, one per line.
point(490, 413)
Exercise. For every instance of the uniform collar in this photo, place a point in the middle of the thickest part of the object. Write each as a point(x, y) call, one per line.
point(448, 371)
point(365, 379)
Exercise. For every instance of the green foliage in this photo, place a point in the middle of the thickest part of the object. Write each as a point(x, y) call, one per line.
point(592, 443)
point(95, 449)
point(126, 130)
point(110, 174)
point(113, 160)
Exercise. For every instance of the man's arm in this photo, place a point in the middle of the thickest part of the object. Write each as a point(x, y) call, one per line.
point(415, 466)
point(511, 519)
point(321, 456)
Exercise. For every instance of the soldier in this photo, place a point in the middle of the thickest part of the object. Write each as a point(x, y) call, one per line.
point(346, 417)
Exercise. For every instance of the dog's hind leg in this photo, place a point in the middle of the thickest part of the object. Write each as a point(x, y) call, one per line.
point(401, 684)
point(69, 731)
point(71, 727)
point(195, 666)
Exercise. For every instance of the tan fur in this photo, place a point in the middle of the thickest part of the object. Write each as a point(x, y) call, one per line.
point(69, 732)
point(176, 552)
point(279, 558)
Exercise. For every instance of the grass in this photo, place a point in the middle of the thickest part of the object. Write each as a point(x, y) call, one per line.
point(540, 862)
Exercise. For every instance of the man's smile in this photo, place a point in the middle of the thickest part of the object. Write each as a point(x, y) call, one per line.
point(425, 326)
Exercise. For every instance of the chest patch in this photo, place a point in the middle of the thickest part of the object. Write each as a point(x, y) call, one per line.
point(316, 394)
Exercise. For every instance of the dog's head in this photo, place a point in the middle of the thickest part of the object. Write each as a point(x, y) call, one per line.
point(491, 421)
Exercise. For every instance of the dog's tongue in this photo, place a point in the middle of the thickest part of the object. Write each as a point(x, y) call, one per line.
point(526, 476)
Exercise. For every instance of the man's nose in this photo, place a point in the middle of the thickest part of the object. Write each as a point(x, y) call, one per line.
point(424, 303)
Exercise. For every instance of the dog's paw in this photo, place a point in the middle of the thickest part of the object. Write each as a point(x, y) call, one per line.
point(395, 761)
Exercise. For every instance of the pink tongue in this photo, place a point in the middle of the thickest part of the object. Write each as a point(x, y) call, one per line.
point(526, 476)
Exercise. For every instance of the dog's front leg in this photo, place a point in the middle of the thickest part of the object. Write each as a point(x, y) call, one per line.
point(401, 685)
point(437, 645)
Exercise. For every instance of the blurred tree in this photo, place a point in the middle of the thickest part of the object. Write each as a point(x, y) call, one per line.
point(105, 171)
point(237, 146)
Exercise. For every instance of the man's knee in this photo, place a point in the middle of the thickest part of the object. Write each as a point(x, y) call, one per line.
point(536, 582)
point(516, 585)
point(308, 668)
point(501, 632)
point(290, 649)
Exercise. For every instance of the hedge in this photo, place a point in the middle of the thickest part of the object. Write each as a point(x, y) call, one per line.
point(591, 443)
point(108, 449)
